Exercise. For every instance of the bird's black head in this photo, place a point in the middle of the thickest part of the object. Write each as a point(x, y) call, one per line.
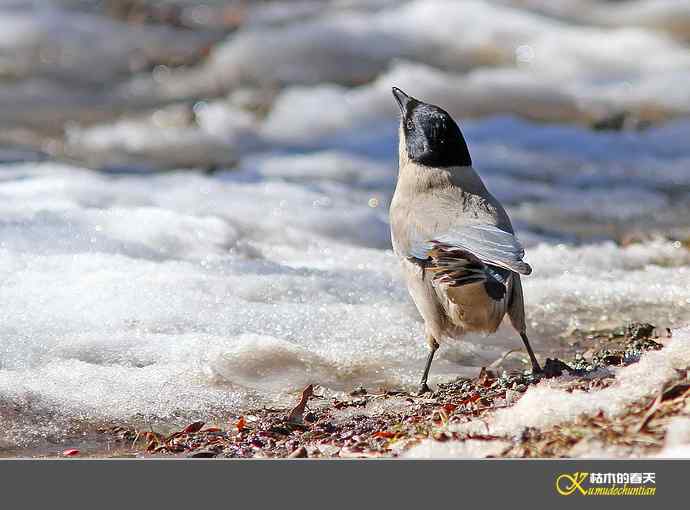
point(432, 137)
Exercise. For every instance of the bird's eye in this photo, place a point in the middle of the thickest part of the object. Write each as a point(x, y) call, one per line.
point(410, 124)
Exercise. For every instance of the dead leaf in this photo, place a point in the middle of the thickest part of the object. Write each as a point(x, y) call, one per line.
point(155, 437)
point(650, 413)
point(449, 408)
point(241, 424)
point(385, 434)
point(193, 427)
point(676, 391)
point(203, 454)
point(471, 399)
point(296, 413)
point(483, 376)
point(299, 453)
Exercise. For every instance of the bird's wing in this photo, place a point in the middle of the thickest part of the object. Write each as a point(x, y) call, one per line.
point(470, 254)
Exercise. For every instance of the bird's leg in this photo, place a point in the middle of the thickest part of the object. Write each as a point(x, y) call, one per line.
point(535, 364)
point(433, 347)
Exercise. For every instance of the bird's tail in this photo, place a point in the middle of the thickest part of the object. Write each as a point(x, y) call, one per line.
point(454, 267)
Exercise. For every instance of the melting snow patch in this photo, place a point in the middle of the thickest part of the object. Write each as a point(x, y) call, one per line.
point(548, 404)
point(470, 449)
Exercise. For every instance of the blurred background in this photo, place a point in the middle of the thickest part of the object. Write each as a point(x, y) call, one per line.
point(124, 85)
point(194, 195)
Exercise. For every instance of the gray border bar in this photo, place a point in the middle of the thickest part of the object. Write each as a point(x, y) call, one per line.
point(298, 484)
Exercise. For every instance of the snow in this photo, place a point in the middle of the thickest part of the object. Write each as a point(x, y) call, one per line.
point(677, 442)
point(546, 405)
point(586, 69)
point(468, 449)
point(508, 60)
point(678, 431)
point(211, 134)
point(566, 178)
point(54, 61)
point(168, 295)
point(670, 16)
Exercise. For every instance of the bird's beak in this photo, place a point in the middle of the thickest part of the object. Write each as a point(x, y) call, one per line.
point(402, 99)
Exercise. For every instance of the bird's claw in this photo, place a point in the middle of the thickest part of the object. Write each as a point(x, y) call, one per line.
point(423, 389)
point(555, 368)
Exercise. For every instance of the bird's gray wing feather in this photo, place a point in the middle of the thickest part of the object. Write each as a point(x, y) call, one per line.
point(488, 243)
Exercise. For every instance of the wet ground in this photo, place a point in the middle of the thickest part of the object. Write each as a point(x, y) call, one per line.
point(365, 425)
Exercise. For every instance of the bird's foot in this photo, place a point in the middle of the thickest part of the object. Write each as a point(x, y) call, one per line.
point(555, 368)
point(423, 389)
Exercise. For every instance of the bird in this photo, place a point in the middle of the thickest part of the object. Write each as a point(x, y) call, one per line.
point(460, 257)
